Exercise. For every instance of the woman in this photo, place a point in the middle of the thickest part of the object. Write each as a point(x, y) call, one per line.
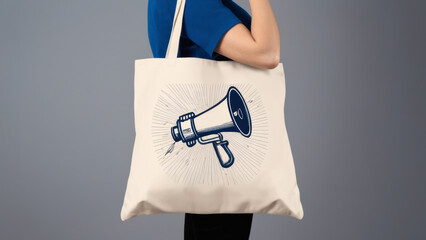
point(223, 31)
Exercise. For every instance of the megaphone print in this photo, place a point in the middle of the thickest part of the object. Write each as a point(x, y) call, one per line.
point(230, 114)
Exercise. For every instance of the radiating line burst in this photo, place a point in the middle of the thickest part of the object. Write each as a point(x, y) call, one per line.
point(199, 164)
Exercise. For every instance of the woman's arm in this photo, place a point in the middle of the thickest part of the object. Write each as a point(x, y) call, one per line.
point(258, 48)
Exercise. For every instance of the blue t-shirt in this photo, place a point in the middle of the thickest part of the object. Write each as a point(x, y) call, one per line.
point(204, 24)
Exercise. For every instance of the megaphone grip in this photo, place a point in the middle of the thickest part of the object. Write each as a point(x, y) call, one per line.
point(224, 145)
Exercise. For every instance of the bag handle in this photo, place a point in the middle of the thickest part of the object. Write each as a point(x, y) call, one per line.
point(173, 46)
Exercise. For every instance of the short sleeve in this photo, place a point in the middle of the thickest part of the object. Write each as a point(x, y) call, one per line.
point(206, 21)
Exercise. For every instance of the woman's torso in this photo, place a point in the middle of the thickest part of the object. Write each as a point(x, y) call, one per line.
point(160, 18)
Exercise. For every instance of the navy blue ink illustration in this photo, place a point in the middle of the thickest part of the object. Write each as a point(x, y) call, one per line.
point(207, 133)
point(230, 114)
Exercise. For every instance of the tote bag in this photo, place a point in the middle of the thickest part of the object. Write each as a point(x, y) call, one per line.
point(210, 138)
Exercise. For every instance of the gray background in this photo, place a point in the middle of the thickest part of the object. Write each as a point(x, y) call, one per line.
point(355, 113)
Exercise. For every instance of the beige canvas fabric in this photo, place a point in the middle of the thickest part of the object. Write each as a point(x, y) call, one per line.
point(210, 138)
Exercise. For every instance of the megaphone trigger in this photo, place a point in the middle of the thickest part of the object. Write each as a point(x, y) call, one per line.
point(210, 138)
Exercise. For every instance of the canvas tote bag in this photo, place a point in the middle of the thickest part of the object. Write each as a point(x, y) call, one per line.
point(210, 138)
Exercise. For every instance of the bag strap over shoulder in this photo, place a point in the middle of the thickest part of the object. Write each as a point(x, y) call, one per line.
point(173, 46)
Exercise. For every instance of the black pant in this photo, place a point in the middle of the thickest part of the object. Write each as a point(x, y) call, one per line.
point(217, 226)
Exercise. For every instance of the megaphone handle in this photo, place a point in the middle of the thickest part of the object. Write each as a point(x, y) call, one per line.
point(224, 145)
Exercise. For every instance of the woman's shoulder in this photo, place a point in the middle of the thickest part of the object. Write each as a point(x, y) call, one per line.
point(162, 6)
